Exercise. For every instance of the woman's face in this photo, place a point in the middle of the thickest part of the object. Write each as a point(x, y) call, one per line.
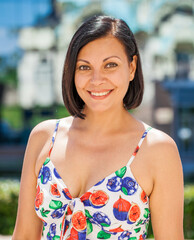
point(103, 74)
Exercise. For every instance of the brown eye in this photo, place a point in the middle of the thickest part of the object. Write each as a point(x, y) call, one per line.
point(84, 67)
point(111, 65)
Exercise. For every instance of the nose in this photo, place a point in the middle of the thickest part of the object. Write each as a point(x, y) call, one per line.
point(97, 78)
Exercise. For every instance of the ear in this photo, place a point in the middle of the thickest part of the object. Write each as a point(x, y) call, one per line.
point(132, 68)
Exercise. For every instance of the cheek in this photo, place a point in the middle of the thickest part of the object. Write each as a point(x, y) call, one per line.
point(80, 80)
point(121, 79)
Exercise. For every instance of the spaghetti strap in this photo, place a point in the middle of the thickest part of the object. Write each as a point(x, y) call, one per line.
point(53, 137)
point(138, 146)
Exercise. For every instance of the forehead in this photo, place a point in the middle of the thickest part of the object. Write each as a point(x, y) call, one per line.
point(102, 48)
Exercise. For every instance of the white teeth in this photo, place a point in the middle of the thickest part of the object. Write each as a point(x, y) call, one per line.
point(100, 93)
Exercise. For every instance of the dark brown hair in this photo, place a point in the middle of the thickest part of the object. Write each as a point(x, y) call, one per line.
point(92, 29)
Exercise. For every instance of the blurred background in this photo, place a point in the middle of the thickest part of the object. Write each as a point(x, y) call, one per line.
point(34, 36)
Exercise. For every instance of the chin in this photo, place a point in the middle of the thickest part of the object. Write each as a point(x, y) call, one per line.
point(99, 109)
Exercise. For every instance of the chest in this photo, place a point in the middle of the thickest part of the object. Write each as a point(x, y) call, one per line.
point(82, 163)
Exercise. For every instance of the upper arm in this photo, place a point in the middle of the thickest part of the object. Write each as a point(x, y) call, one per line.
point(28, 225)
point(167, 197)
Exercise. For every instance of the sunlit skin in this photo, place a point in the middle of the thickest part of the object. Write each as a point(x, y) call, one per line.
point(103, 67)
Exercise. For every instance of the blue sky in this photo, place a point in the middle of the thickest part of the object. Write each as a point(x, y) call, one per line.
point(17, 13)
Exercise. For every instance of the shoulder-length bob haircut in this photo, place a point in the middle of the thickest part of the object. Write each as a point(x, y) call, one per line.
point(92, 29)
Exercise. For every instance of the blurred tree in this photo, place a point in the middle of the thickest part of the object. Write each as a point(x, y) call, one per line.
point(7, 78)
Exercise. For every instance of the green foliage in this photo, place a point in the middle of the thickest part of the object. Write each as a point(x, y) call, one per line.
point(58, 111)
point(9, 192)
point(14, 115)
point(189, 212)
point(8, 74)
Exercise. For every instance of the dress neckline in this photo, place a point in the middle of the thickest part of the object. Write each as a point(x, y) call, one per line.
point(127, 165)
point(108, 176)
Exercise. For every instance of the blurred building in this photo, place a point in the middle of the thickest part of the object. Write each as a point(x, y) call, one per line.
point(164, 31)
point(172, 56)
point(36, 69)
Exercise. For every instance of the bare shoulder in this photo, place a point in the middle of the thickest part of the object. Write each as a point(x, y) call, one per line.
point(41, 137)
point(46, 128)
point(39, 142)
point(42, 131)
point(66, 123)
point(158, 138)
point(161, 143)
point(163, 153)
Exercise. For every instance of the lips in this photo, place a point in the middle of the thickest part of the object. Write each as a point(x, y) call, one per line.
point(100, 94)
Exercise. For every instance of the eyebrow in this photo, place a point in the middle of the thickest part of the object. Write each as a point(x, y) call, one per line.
point(103, 60)
point(111, 57)
point(83, 61)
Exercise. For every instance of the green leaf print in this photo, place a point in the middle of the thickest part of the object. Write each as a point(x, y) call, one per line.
point(44, 212)
point(89, 227)
point(146, 212)
point(124, 190)
point(56, 237)
point(104, 224)
point(46, 161)
point(87, 214)
point(133, 238)
point(137, 229)
point(42, 178)
point(48, 235)
point(121, 172)
point(54, 204)
point(103, 235)
point(139, 222)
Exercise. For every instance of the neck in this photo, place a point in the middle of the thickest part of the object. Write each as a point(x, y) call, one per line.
point(105, 123)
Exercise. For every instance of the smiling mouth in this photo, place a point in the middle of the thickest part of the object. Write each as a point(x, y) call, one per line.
point(100, 94)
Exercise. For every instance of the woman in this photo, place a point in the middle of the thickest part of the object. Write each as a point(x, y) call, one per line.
point(93, 185)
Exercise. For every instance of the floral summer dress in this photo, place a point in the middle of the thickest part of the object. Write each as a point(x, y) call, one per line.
point(114, 208)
